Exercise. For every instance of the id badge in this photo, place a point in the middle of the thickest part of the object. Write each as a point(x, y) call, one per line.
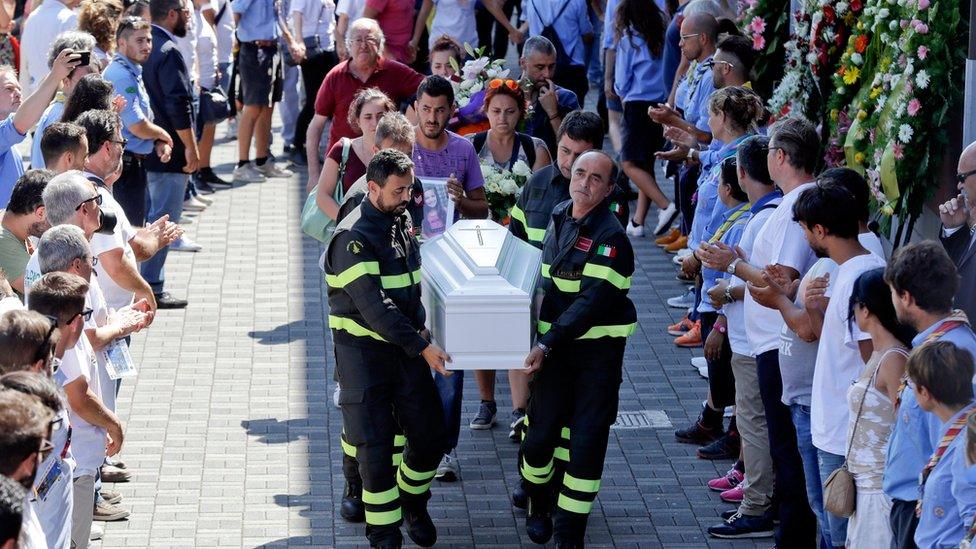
point(50, 478)
point(118, 361)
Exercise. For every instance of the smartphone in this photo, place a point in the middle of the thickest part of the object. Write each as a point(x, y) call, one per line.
point(85, 58)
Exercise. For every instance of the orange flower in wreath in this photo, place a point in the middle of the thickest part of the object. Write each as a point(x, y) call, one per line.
point(861, 43)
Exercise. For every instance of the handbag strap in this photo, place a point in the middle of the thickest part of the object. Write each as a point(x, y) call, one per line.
point(346, 147)
point(864, 397)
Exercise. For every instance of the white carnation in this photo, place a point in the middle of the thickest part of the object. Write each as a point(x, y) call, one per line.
point(905, 133)
point(923, 79)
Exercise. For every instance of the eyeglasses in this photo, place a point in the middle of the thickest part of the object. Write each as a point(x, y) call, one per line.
point(687, 36)
point(962, 177)
point(122, 142)
point(97, 199)
point(361, 41)
point(508, 83)
point(712, 62)
point(85, 315)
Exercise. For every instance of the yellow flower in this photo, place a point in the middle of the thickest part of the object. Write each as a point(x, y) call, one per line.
point(861, 115)
point(875, 92)
point(859, 157)
point(860, 25)
point(851, 75)
point(834, 113)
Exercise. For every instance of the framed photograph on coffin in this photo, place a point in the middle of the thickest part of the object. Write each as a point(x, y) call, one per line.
point(438, 208)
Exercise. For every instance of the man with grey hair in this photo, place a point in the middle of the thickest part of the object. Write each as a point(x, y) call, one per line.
point(365, 68)
point(550, 103)
point(17, 118)
point(76, 41)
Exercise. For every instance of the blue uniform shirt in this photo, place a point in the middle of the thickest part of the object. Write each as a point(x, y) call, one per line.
point(259, 21)
point(126, 77)
point(708, 206)
point(638, 74)
point(731, 237)
point(948, 504)
point(700, 89)
point(11, 165)
point(51, 115)
point(916, 432)
point(570, 26)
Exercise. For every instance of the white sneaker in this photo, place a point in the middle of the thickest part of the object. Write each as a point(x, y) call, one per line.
point(683, 301)
point(335, 396)
point(248, 174)
point(634, 229)
point(194, 205)
point(203, 199)
point(97, 531)
point(270, 170)
point(184, 244)
point(698, 361)
point(231, 129)
point(448, 470)
point(703, 371)
point(665, 218)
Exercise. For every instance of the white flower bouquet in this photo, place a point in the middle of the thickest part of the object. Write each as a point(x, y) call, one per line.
point(503, 188)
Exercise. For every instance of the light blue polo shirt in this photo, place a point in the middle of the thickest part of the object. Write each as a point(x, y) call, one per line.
point(258, 20)
point(126, 77)
point(11, 165)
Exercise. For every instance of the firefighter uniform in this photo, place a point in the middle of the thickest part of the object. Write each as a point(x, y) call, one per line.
point(541, 193)
point(584, 321)
point(376, 316)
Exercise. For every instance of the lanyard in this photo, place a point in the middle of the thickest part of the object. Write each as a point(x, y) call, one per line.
point(950, 435)
point(724, 227)
point(943, 328)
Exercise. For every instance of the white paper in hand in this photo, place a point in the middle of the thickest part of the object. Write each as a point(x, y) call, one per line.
point(118, 361)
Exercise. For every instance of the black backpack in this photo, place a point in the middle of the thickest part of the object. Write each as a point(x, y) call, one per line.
point(521, 140)
point(549, 32)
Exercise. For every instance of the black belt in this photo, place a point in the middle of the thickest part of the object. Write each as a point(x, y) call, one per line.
point(263, 43)
point(135, 156)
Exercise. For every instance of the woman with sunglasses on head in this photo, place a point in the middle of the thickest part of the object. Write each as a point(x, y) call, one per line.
point(502, 146)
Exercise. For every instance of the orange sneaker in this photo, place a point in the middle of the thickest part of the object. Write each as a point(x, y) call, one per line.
point(681, 327)
point(673, 235)
point(680, 243)
point(692, 338)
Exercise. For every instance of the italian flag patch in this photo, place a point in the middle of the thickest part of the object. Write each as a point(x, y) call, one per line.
point(614, 207)
point(606, 251)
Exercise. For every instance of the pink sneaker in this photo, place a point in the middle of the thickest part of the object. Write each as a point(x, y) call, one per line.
point(731, 479)
point(733, 496)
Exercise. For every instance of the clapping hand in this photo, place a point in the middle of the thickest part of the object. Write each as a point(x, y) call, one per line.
point(680, 137)
point(663, 114)
point(676, 154)
point(716, 294)
point(719, 256)
point(815, 296)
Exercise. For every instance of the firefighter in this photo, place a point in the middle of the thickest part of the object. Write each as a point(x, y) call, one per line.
point(383, 355)
point(584, 321)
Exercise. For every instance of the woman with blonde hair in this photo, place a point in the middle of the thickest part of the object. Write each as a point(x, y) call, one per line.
point(100, 18)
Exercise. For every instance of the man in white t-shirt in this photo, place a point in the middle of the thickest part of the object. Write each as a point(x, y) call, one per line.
point(792, 156)
point(24, 430)
point(119, 251)
point(95, 429)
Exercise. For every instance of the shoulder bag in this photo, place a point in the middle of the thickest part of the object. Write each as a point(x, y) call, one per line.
point(314, 221)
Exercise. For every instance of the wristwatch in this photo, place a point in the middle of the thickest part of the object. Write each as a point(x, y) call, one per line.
point(544, 348)
point(728, 294)
point(731, 268)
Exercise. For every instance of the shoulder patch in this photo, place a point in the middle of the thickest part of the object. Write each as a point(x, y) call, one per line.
point(354, 247)
point(131, 89)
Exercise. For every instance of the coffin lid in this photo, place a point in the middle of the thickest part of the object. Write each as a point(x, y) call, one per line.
point(480, 258)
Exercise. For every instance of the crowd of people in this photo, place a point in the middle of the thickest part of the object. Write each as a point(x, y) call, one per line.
point(847, 370)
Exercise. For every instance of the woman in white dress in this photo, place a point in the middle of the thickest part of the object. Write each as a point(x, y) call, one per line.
point(872, 400)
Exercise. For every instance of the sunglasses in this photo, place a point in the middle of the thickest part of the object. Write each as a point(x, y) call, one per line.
point(962, 177)
point(712, 62)
point(97, 199)
point(498, 82)
point(85, 315)
point(47, 339)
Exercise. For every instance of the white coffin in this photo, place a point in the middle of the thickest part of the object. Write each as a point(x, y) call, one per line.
point(478, 282)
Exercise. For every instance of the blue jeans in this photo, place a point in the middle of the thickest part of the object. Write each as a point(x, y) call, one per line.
point(291, 103)
point(594, 53)
point(165, 197)
point(811, 468)
point(451, 390)
point(838, 525)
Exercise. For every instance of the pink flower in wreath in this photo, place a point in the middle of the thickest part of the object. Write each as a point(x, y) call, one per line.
point(899, 151)
point(758, 42)
point(920, 27)
point(923, 4)
point(914, 106)
point(922, 52)
point(757, 25)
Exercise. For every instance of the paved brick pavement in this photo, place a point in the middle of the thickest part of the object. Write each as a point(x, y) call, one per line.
point(233, 440)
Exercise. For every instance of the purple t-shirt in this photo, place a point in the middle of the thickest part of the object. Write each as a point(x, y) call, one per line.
point(458, 158)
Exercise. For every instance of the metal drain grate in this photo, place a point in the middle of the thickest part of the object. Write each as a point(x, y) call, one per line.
point(642, 419)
